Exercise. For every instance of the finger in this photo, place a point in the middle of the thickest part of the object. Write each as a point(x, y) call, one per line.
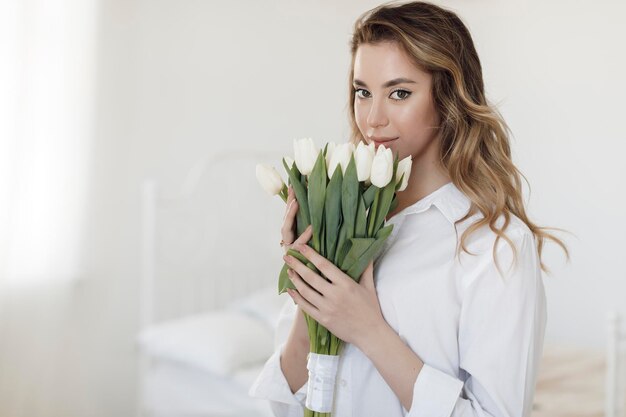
point(288, 208)
point(311, 295)
point(326, 267)
point(307, 307)
point(290, 217)
point(305, 236)
point(288, 222)
point(310, 281)
point(290, 198)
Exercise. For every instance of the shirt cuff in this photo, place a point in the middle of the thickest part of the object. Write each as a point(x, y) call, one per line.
point(272, 385)
point(435, 393)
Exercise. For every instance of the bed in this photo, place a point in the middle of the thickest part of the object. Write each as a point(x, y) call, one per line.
point(188, 374)
point(208, 292)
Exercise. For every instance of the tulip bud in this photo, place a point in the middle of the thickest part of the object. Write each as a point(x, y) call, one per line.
point(382, 167)
point(269, 179)
point(363, 156)
point(341, 156)
point(404, 167)
point(305, 153)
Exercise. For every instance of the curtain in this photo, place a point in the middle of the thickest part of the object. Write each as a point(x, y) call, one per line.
point(47, 74)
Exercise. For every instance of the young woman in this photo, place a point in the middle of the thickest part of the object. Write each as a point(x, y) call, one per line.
point(437, 326)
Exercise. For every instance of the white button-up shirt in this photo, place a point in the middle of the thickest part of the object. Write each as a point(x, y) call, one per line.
point(479, 334)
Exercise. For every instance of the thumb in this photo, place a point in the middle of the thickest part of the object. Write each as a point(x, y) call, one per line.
point(367, 278)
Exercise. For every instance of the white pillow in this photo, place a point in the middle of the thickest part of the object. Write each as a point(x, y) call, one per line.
point(264, 304)
point(219, 342)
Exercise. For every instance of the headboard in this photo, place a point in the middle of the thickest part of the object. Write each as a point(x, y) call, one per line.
point(211, 241)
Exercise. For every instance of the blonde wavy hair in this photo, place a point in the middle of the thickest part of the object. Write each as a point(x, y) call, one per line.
point(475, 148)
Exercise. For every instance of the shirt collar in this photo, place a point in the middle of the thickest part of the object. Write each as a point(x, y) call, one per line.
point(451, 201)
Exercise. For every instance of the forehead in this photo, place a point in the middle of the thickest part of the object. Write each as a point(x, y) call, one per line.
point(377, 63)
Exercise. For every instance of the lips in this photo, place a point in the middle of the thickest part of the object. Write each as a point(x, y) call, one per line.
point(384, 142)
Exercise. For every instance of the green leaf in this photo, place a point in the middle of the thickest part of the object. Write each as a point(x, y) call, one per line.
point(369, 194)
point(341, 249)
point(332, 212)
point(394, 204)
point(358, 246)
point(303, 215)
point(302, 259)
point(317, 195)
point(297, 255)
point(283, 280)
point(349, 197)
point(360, 229)
point(356, 270)
point(384, 232)
point(399, 183)
point(384, 202)
point(371, 216)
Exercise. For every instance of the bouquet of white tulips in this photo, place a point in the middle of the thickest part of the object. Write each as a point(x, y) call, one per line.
point(347, 208)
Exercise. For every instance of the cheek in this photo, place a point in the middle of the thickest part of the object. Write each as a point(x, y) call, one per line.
point(416, 119)
point(360, 115)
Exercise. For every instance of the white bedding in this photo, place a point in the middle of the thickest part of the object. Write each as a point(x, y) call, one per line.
point(174, 389)
point(204, 365)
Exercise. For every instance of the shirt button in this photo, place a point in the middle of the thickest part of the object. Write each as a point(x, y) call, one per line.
point(343, 383)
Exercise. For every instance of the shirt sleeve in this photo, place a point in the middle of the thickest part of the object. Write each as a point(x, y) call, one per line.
point(501, 331)
point(271, 383)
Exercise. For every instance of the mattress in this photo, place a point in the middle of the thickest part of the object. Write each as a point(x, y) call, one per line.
point(176, 389)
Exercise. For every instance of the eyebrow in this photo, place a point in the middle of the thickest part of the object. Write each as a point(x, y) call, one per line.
point(389, 83)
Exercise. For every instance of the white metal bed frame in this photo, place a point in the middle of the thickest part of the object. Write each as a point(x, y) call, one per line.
point(226, 174)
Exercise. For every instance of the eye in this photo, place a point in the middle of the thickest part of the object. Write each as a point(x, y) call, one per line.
point(356, 91)
point(407, 94)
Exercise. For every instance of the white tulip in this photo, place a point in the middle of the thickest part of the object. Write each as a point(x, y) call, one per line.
point(305, 153)
point(404, 167)
point(269, 179)
point(372, 149)
point(382, 167)
point(363, 156)
point(341, 156)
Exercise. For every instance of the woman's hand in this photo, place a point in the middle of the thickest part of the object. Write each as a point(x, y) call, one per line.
point(350, 310)
point(288, 231)
point(299, 329)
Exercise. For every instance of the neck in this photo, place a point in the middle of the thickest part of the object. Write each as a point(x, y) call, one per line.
point(426, 177)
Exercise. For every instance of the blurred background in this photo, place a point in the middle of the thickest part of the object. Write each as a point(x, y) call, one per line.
point(131, 222)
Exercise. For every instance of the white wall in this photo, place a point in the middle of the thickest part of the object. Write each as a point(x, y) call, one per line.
point(178, 80)
point(256, 74)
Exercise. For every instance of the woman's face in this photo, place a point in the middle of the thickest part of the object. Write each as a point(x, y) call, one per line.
point(392, 101)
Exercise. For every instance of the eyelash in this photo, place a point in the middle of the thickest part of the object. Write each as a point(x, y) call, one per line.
point(394, 91)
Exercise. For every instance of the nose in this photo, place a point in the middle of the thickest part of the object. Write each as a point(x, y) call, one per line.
point(377, 115)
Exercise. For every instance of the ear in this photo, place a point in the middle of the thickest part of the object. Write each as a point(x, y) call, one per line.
point(367, 278)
